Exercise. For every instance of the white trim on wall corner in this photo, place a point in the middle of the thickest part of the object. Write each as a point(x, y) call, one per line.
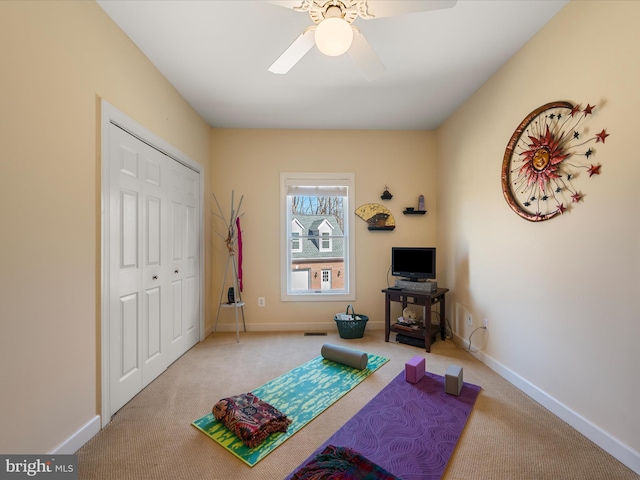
point(609, 444)
point(72, 444)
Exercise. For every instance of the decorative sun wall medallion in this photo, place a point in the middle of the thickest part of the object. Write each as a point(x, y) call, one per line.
point(545, 155)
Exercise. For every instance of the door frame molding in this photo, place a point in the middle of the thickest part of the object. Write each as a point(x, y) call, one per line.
point(111, 115)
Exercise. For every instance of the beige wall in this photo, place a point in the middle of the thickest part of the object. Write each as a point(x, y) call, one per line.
point(561, 296)
point(58, 60)
point(250, 162)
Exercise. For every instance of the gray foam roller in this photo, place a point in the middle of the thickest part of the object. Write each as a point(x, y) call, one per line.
point(347, 356)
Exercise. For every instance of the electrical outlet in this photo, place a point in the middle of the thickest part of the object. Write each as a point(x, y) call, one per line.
point(261, 301)
point(469, 319)
point(486, 324)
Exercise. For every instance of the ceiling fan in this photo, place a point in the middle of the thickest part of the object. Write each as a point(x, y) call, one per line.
point(333, 31)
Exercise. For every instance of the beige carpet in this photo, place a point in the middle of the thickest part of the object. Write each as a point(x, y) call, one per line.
point(508, 435)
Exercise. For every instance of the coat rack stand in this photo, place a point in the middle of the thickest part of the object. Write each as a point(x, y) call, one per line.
point(231, 241)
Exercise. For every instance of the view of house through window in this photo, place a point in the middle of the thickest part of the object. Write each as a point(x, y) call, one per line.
point(317, 245)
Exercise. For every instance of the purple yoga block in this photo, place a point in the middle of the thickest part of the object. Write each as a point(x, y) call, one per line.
point(414, 369)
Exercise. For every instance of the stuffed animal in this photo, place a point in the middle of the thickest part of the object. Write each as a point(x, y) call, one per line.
point(409, 315)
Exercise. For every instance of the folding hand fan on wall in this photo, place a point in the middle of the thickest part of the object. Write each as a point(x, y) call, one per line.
point(333, 31)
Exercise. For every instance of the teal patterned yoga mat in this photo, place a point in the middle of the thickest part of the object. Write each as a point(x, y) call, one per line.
point(302, 394)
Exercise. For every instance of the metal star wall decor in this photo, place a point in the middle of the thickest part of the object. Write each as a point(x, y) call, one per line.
point(544, 158)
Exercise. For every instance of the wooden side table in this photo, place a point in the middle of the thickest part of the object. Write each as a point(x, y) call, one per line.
point(411, 297)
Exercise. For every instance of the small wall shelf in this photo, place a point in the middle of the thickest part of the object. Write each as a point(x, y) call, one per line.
point(386, 227)
point(414, 212)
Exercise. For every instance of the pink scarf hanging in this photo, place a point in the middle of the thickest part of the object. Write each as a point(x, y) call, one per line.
point(239, 253)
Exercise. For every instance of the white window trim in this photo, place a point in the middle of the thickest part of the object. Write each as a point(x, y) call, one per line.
point(341, 179)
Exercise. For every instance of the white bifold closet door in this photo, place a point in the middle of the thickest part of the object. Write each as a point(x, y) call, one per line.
point(154, 256)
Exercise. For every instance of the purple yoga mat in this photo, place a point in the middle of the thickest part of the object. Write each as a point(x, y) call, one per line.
point(408, 429)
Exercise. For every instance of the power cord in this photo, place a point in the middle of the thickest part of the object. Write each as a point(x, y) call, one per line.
point(449, 330)
point(450, 334)
point(479, 328)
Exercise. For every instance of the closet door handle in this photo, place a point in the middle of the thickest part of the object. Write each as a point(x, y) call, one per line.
point(155, 277)
point(175, 271)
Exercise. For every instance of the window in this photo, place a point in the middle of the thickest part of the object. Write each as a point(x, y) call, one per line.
point(296, 230)
point(295, 242)
point(325, 242)
point(325, 230)
point(317, 252)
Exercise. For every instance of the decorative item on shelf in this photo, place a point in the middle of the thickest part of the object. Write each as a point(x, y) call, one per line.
point(386, 195)
point(420, 211)
point(409, 315)
point(544, 157)
point(413, 211)
point(408, 321)
point(377, 216)
point(407, 327)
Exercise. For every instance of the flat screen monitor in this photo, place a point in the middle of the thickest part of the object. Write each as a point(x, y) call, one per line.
point(413, 263)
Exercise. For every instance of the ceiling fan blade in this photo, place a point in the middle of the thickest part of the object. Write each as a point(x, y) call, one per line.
point(364, 56)
point(295, 52)
point(294, 4)
point(386, 8)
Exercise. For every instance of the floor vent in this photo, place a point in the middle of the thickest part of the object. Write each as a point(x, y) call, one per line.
point(315, 334)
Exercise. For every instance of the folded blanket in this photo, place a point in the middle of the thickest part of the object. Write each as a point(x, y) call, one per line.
point(251, 419)
point(341, 463)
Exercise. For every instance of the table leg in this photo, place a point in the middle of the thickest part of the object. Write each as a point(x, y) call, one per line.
point(443, 323)
point(427, 328)
point(387, 317)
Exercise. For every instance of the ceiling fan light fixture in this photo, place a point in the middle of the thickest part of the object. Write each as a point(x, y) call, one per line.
point(333, 36)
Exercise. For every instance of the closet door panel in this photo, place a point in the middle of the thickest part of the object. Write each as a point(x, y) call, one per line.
point(125, 268)
point(192, 259)
point(154, 274)
point(178, 221)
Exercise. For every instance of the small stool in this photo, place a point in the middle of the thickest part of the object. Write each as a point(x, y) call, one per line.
point(453, 380)
point(414, 369)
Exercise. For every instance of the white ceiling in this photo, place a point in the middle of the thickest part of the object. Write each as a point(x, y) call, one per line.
point(216, 54)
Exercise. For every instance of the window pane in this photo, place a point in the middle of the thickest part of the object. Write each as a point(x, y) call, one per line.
point(326, 242)
point(316, 219)
point(321, 241)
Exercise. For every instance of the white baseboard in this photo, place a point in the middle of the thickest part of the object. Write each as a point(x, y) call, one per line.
point(609, 444)
point(83, 435)
point(208, 331)
point(292, 327)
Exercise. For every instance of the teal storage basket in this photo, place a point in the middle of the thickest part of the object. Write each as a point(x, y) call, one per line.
point(351, 325)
